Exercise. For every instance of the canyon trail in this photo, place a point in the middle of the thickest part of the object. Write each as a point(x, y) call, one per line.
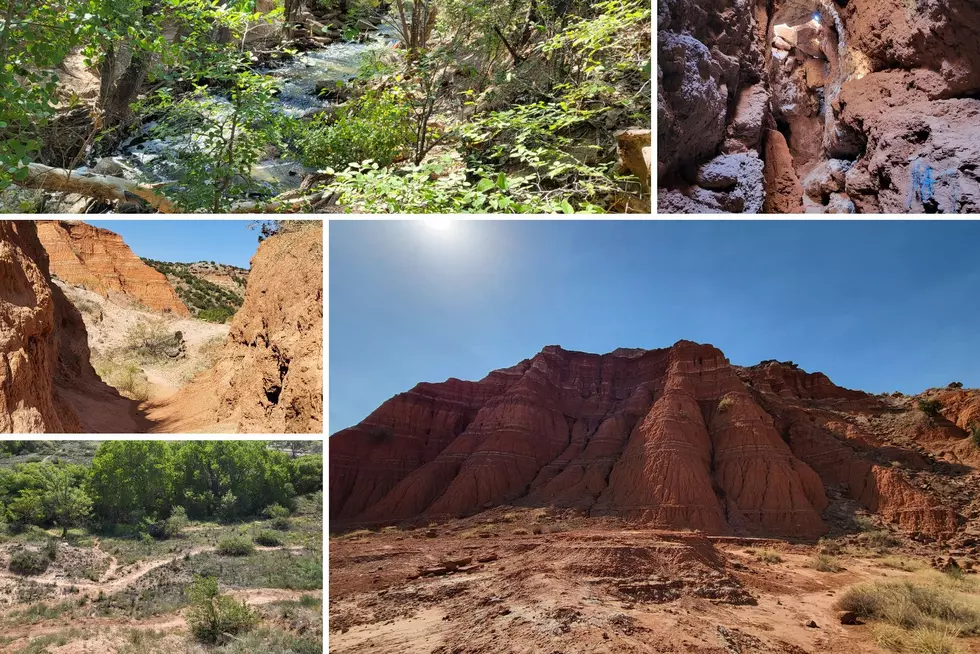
point(266, 377)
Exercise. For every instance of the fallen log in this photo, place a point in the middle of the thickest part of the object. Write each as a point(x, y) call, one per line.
point(93, 185)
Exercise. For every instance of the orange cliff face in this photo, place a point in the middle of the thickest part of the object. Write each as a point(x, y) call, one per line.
point(100, 261)
point(674, 438)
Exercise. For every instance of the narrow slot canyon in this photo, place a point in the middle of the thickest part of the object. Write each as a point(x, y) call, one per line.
point(818, 106)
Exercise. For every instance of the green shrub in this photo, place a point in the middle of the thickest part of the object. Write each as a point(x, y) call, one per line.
point(932, 408)
point(235, 546)
point(176, 522)
point(216, 618)
point(219, 315)
point(279, 515)
point(29, 562)
point(376, 126)
point(268, 539)
point(954, 385)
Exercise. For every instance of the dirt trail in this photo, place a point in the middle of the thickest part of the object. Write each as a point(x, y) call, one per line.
point(109, 583)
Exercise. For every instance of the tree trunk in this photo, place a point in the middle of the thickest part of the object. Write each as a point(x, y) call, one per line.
point(96, 186)
point(116, 110)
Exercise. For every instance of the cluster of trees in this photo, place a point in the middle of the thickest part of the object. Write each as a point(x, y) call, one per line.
point(207, 300)
point(133, 482)
point(519, 98)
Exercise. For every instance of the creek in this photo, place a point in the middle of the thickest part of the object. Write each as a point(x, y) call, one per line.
point(145, 157)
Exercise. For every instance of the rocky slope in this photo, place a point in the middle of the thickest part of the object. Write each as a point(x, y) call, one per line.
point(46, 381)
point(673, 438)
point(269, 376)
point(822, 106)
point(215, 288)
point(100, 261)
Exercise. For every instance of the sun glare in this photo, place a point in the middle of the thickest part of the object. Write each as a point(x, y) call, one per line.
point(438, 224)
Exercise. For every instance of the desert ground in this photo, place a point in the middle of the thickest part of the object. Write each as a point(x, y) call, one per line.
point(536, 580)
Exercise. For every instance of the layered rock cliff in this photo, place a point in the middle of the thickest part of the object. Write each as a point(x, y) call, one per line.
point(100, 261)
point(822, 106)
point(47, 384)
point(269, 378)
point(674, 438)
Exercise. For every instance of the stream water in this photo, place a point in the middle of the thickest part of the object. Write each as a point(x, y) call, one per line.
point(146, 158)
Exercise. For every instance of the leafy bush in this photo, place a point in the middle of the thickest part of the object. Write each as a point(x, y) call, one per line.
point(932, 408)
point(443, 185)
point(954, 385)
point(215, 618)
point(308, 473)
point(219, 315)
point(376, 126)
point(29, 562)
point(176, 522)
point(279, 516)
point(235, 546)
point(268, 539)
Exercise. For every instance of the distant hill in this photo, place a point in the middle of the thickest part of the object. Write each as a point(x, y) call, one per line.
point(212, 291)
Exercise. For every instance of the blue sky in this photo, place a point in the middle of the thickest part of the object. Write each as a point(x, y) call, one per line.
point(878, 306)
point(222, 241)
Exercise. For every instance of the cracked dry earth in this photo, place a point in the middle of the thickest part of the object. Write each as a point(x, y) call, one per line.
point(84, 627)
point(492, 584)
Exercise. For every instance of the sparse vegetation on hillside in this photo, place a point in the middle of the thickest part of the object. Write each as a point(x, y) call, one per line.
point(932, 408)
point(206, 300)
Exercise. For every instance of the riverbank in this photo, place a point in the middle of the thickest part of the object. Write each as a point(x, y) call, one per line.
point(423, 108)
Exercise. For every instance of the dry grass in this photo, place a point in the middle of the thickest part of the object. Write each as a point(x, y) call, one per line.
point(921, 615)
point(908, 564)
point(122, 373)
point(924, 640)
point(769, 556)
point(825, 563)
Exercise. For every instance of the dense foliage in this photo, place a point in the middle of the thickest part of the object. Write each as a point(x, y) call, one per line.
point(206, 300)
point(143, 482)
point(485, 106)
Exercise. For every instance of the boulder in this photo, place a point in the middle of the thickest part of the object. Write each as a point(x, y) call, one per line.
point(635, 149)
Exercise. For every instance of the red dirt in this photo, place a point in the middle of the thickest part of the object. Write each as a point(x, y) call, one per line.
point(269, 378)
point(553, 583)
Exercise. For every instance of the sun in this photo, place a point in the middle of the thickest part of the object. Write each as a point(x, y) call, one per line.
point(438, 224)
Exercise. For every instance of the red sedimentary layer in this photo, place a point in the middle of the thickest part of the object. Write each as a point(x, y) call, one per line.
point(100, 261)
point(47, 383)
point(675, 438)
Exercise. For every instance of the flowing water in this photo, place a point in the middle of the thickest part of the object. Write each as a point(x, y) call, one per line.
point(146, 158)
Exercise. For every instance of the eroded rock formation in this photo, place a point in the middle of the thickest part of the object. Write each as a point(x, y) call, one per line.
point(269, 378)
point(676, 438)
point(878, 102)
point(100, 261)
point(47, 384)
